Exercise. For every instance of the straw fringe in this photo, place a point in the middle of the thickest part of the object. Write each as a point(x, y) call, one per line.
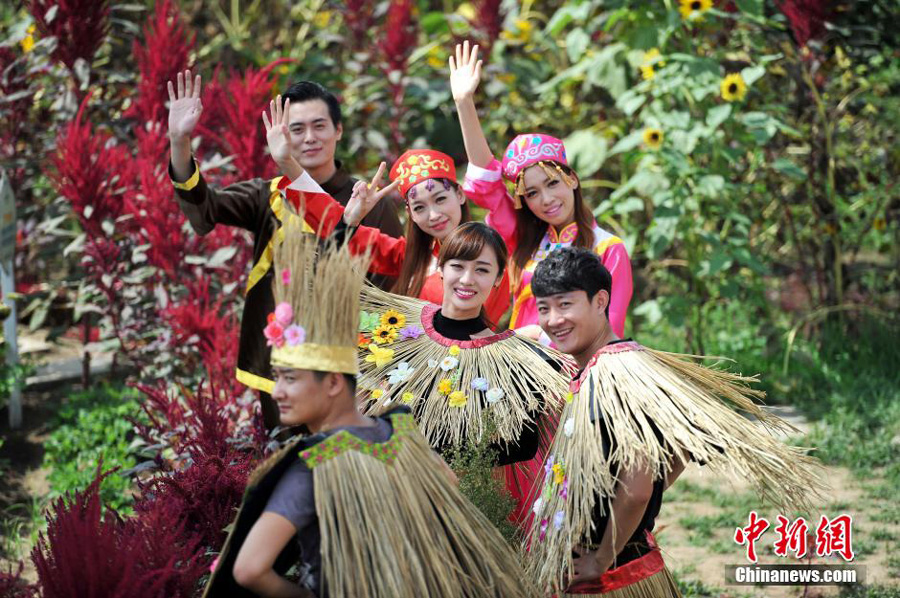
point(531, 385)
point(324, 286)
point(403, 531)
point(658, 585)
point(640, 392)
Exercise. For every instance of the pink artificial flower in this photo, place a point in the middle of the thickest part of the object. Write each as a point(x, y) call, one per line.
point(544, 525)
point(294, 335)
point(274, 334)
point(283, 313)
point(286, 276)
point(215, 563)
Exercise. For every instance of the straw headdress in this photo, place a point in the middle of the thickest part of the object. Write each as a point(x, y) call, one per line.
point(314, 325)
point(654, 407)
point(453, 386)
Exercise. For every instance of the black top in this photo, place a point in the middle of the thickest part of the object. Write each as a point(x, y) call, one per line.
point(458, 330)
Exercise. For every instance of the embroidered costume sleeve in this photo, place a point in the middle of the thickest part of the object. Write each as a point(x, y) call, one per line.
point(486, 188)
point(616, 260)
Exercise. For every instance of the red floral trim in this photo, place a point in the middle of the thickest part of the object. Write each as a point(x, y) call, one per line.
point(427, 318)
point(629, 573)
point(575, 385)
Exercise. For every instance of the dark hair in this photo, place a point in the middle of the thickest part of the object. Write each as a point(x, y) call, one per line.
point(350, 379)
point(530, 229)
point(304, 91)
point(468, 241)
point(418, 253)
point(571, 269)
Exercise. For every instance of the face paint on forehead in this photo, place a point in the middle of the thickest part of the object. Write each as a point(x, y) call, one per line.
point(429, 184)
point(411, 194)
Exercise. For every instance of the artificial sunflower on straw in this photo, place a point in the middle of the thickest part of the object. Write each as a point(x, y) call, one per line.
point(653, 138)
point(394, 318)
point(734, 88)
point(693, 9)
point(385, 335)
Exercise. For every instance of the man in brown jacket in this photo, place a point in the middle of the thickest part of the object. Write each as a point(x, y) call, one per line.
point(256, 205)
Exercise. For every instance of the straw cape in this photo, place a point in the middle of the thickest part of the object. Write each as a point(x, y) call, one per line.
point(654, 407)
point(389, 527)
point(455, 388)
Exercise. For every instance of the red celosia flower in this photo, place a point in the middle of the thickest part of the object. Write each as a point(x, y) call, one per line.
point(162, 53)
point(359, 17)
point(79, 26)
point(489, 19)
point(807, 18)
point(90, 171)
point(13, 586)
point(399, 34)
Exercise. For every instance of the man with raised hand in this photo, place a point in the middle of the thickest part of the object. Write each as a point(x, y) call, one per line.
point(256, 205)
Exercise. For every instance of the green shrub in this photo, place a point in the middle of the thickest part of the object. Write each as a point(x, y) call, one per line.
point(91, 426)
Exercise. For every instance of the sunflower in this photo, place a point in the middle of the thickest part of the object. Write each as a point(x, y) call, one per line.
point(393, 318)
point(385, 335)
point(653, 138)
point(734, 88)
point(692, 9)
point(652, 59)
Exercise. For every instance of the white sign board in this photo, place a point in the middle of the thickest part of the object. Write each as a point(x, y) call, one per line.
point(7, 222)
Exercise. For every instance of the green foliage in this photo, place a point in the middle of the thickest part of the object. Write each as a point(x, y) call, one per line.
point(90, 426)
point(478, 481)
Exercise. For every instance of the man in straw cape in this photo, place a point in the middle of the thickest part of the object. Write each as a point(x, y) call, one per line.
point(363, 507)
point(633, 418)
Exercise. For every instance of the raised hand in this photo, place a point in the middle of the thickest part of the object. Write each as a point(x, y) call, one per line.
point(365, 196)
point(278, 135)
point(185, 106)
point(465, 72)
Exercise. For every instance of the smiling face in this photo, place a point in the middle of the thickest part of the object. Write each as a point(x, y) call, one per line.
point(436, 210)
point(549, 197)
point(314, 136)
point(576, 324)
point(468, 283)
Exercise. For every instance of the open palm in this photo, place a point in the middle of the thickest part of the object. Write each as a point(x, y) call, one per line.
point(465, 72)
point(185, 106)
point(278, 135)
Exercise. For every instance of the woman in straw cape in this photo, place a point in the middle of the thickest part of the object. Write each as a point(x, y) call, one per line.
point(459, 377)
point(435, 206)
point(350, 508)
point(633, 418)
point(545, 211)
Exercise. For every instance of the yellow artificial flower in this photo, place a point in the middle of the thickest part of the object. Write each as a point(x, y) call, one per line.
point(693, 9)
point(393, 318)
point(445, 386)
point(27, 42)
point(559, 474)
point(652, 59)
point(458, 399)
point(385, 335)
point(733, 88)
point(454, 350)
point(379, 356)
point(569, 397)
point(408, 397)
point(653, 138)
point(322, 19)
point(376, 394)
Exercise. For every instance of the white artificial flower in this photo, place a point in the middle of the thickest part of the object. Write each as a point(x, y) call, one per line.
point(494, 395)
point(569, 427)
point(448, 363)
point(432, 363)
point(536, 508)
point(401, 373)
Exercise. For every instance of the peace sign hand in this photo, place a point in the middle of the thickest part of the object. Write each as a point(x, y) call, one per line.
point(185, 107)
point(365, 196)
point(465, 72)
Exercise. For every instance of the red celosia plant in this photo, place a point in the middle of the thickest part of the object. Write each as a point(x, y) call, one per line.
point(79, 26)
point(13, 586)
point(489, 20)
point(359, 17)
point(807, 18)
point(163, 52)
point(399, 40)
point(87, 553)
